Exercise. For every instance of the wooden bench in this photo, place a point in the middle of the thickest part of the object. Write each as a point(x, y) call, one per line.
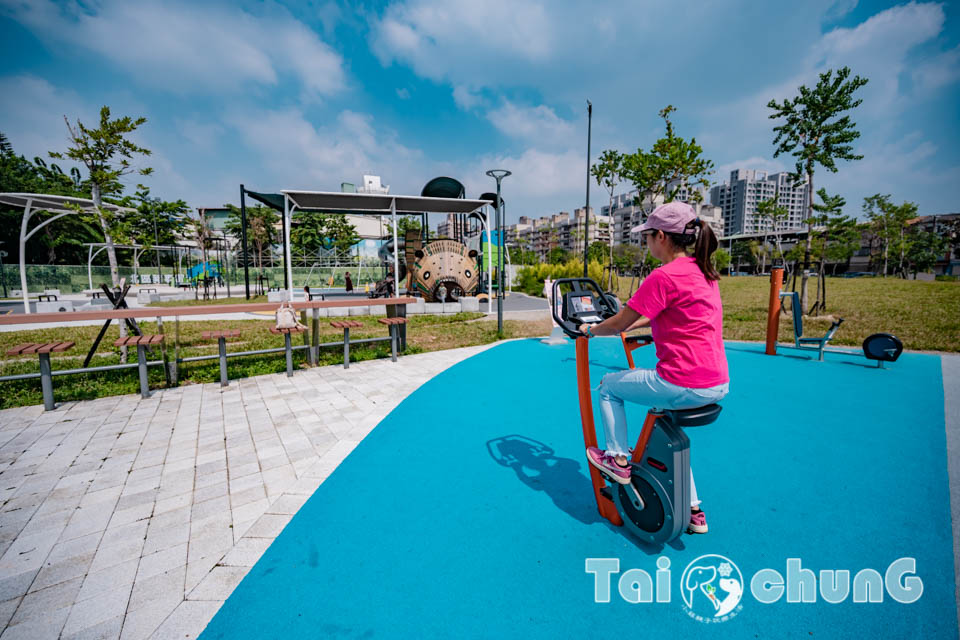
point(394, 325)
point(288, 348)
point(346, 325)
point(43, 349)
point(142, 343)
point(221, 338)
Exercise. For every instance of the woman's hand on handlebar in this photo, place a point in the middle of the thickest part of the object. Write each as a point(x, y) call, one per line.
point(585, 330)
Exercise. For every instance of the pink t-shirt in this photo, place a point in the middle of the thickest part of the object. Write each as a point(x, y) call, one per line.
point(686, 318)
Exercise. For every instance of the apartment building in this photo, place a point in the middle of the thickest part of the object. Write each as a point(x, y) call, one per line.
point(627, 213)
point(746, 188)
point(562, 230)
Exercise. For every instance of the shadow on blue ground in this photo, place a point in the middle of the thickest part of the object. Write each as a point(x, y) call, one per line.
point(479, 524)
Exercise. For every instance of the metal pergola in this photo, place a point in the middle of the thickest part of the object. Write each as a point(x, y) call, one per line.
point(138, 249)
point(60, 205)
point(373, 204)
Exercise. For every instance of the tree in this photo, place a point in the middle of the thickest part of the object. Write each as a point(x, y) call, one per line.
point(888, 222)
point(157, 222)
point(721, 259)
point(407, 223)
point(925, 248)
point(844, 240)
point(829, 210)
point(815, 134)
point(741, 253)
point(316, 230)
point(772, 212)
point(203, 235)
point(671, 164)
point(879, 211)
point(596, 251)
point(607, 172)
point(558, 255)
point(626, 256)
point(261, 229)
point(106, 154)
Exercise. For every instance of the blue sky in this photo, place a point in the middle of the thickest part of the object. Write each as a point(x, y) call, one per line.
point(308, 95)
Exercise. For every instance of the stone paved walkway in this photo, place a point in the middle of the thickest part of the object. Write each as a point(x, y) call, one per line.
point(130, 518)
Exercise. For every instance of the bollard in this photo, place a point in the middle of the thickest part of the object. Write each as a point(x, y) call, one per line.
point(773, 310)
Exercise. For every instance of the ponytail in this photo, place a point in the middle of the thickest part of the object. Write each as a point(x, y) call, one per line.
point(699, 234)
point(703, 251)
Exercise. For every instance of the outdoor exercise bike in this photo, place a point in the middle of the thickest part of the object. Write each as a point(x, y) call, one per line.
point(655, 506)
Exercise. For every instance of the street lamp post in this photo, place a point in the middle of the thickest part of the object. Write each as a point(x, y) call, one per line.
point(498, 175)
point(586, 216)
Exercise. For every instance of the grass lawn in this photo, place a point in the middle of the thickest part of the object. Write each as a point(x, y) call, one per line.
point(924, 315)
point(212, 301)
point(424, 333)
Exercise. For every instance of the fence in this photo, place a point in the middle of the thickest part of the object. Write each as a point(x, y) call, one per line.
point(74, 278)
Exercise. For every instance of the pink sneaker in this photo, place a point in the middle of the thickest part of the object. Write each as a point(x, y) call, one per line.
point(698, 522)
point(607, 465)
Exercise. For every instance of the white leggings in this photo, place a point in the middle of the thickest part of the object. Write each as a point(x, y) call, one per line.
point(644, 386)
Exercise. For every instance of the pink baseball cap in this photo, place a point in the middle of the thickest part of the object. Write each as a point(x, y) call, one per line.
point(672, 217)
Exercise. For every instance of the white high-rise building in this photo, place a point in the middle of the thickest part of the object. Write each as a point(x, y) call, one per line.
point(627, 214)
point(738, 198)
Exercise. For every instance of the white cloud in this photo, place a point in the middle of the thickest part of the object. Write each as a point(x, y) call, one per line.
point(901, 167)
point(423, 33)
point(203, 135)
point(722, 172)
point(939, 71)
point(32, 115)
point(540, 179)
point(187, 47)
point(465, 97)
point(539, 124)
point(300, 154)
point(839, 9)
point(403, 93)
point(878, 49)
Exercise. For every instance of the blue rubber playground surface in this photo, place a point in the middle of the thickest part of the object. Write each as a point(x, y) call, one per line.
point(479, 524)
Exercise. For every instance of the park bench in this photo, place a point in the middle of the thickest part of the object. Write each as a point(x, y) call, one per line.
point(394, 325)
point(221, 338)
point(287, 346)
point(47, 297)
point(346, 325)
point(141, 343)
point(43, 349)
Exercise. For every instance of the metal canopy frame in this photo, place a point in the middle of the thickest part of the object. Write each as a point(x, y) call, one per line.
point(137, 250)
point(62, 206)
point(374, 204)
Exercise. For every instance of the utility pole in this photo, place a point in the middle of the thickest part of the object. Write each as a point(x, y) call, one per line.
point(156, 244)
point(243, 239)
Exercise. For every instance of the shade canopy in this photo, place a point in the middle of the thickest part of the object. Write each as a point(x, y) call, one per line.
point(377, 203)
point(272, 200)
point(55, 203)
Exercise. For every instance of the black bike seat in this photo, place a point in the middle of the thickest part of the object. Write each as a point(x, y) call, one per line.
point(693, 417)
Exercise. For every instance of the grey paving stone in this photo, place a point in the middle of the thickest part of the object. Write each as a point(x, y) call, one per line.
point(170, 486)
point(42, 602)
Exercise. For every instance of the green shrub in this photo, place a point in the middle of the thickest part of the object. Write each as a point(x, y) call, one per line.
point(530, 279)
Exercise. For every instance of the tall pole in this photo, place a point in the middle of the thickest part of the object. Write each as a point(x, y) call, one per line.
point(586, 213)
point(498, 175)
point(243, 239)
